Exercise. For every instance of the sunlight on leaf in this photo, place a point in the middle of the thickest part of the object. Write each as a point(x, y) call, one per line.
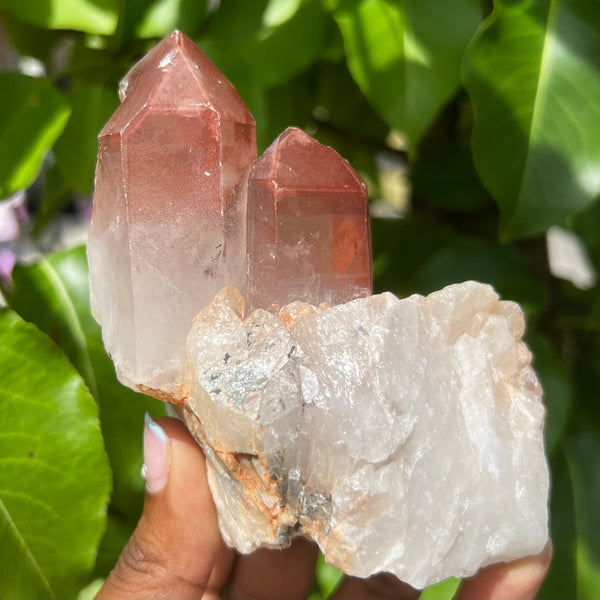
point(278, 12)
point(406, 56)
point(33, 115)
point(160, 17)
point(89, 591)
point(444, 590)
point(271, 54)
point(532, 75)
point(327, 577)
point(90, 16)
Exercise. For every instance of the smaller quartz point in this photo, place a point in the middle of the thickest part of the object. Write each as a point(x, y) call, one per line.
point(308, 226)
point(404, 436)
point(169, 218)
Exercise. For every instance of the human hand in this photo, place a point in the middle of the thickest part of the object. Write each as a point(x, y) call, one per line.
point(176, 550)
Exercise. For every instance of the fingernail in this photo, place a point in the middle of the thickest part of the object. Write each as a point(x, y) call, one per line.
point(156, 465)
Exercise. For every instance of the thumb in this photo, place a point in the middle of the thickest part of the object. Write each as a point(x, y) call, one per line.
point(175, 546)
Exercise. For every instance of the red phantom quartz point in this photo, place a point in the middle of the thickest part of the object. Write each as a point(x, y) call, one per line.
point(168, 226)
point(308, 226)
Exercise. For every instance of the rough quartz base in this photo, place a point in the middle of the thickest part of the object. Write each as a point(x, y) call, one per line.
point(402, 435)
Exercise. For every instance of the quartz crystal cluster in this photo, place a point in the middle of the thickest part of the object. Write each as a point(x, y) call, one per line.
point(401, 435)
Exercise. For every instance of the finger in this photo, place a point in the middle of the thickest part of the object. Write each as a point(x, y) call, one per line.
point(274, 574)
point(176, 545)
point(518, 580)
point(220, 573)
point(377, 587)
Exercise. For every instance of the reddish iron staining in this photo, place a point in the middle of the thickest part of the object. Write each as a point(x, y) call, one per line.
point(349, 245)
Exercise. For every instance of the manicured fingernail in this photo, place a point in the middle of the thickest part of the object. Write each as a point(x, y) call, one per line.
point(156, 464)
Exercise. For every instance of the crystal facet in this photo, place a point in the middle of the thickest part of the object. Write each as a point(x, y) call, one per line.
point(308, 226)
point(402, 435)
point(168, 227)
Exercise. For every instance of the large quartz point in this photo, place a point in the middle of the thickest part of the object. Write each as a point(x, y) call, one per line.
point(168, 227)
point(402, 435)
point(308, 226)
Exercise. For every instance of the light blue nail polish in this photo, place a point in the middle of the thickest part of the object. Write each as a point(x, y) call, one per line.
point(157, 430)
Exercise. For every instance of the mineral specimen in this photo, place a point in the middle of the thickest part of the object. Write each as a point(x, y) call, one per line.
point(402, 435)
point(168, 227)
point(308, 226)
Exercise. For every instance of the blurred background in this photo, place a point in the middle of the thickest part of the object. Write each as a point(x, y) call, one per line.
point(476, 126)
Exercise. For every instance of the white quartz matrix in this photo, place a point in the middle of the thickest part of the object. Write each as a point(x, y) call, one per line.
point(402, 435)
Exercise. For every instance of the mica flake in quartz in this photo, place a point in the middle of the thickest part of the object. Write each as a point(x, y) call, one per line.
point(404, 436)
point(308, 226)
point(168, 224)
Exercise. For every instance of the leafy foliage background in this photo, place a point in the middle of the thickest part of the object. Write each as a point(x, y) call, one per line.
point(476, 127)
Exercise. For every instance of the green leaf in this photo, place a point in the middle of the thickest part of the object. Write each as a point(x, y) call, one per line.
point(554, 378)
point(441, 591)
point(504, 267)
point(54, 294)
point(77, 147)
point(144, 19)
point(89, 591)
point(56, 196)
point(562, 576)
point(272, 48)
point(588, 580)
point(29, 40)
point(445, 176)
point(575, 497)
point(278, 12)
point(92, 60)
point(32, 116)
point(235, 24)
point(584, 466)
point(532, 75)
point(286, 105)
point(327, 577)
point(586, 224)
point(49, 293)
point(164, 16)
point(91, 16)
point(278, 53)
point(346, 107)
point(406, 55)
point(401, 247)
point(55, 479)
point(586, 374)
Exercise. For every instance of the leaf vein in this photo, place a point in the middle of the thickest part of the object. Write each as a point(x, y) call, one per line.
point(27, 551)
